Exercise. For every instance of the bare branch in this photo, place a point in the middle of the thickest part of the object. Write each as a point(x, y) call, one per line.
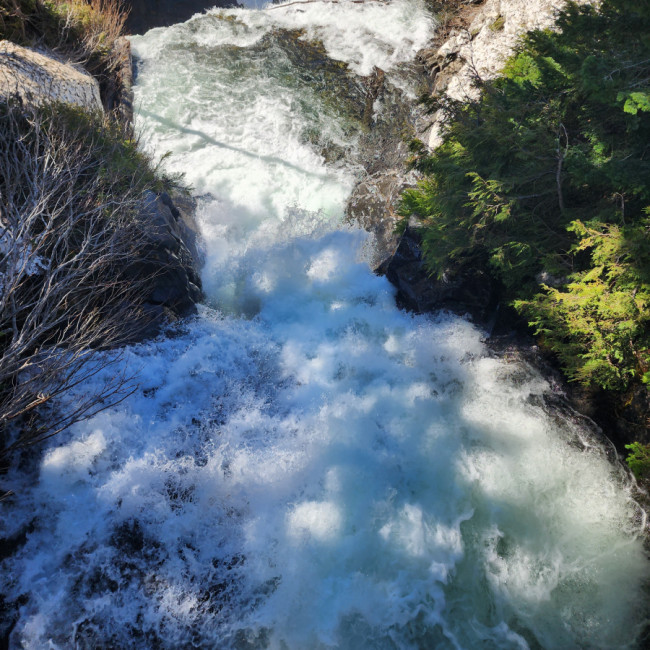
point(69, 236)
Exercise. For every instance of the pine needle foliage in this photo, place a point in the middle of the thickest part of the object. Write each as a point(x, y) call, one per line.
point(545, 182)
point(639, 460)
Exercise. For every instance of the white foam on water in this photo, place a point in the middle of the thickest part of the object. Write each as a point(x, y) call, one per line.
point(363, 35)
point(310, 467)
point(334, 473)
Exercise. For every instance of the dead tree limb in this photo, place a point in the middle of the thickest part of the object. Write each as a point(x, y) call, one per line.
point(69, 232)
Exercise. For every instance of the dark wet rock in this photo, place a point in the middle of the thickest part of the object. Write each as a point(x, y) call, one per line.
point(376, 116)
point(342, 92)
point(9, 545)
point(170, 260)
point(466, 291)
point(390, 119)
point(374, 84)
point(146, 14)
point(117, 89)
point(373, 206)
point(8, 618)
point(383, 145)
point(625, 416)
point(183, 207)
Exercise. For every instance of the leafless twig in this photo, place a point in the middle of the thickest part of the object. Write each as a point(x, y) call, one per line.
point(69, 233)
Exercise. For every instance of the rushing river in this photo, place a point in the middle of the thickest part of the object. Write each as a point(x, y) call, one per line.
point(304, 466)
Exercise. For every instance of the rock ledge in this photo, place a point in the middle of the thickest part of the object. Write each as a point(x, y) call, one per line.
point(36, 79)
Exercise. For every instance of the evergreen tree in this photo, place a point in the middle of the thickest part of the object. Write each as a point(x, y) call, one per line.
point(545, 181)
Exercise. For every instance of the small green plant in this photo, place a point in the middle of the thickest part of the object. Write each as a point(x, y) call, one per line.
point(639, 460)
point(498, 23)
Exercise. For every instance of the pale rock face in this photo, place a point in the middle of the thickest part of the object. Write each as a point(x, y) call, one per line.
point(484, 47)
point(37, 78)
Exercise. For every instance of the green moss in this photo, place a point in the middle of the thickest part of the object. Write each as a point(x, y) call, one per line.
point(498, 23)
point(118, 160)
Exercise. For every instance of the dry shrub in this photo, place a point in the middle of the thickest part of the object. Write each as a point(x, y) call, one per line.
point(98, 24)
point(84, 31)
point(69, 234)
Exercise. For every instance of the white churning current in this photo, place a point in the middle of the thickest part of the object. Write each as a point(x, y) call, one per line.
point(304, 466)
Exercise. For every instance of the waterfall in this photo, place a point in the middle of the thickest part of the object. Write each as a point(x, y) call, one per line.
point(303, 465)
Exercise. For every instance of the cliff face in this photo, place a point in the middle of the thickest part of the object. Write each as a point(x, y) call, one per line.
point(480, 38)
point(170, 257)
point(481, 48)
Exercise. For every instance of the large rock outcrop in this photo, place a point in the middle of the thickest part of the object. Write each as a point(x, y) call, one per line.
point(481, 48)
point(466, 291)
point(37, 78)
point(171, 258)
point(485, 34)
point(373, 207)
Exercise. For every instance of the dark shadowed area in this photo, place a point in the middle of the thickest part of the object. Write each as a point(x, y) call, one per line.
point(147, 14)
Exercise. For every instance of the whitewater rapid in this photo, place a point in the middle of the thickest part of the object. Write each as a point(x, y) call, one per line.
point(303, 465)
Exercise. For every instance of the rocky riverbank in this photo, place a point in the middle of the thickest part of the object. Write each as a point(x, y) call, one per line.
point(478, 39)
point(473, 39)
point(473, 44)
point(98, 79)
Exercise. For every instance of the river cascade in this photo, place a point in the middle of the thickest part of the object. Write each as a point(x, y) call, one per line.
point(303, 465)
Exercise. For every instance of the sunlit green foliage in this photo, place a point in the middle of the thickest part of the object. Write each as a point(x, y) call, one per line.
point(599, 322)
point(545, 182)
point(639, 459)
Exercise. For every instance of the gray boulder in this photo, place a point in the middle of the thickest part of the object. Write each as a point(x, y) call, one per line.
point(37, 78)
point(373, 206)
